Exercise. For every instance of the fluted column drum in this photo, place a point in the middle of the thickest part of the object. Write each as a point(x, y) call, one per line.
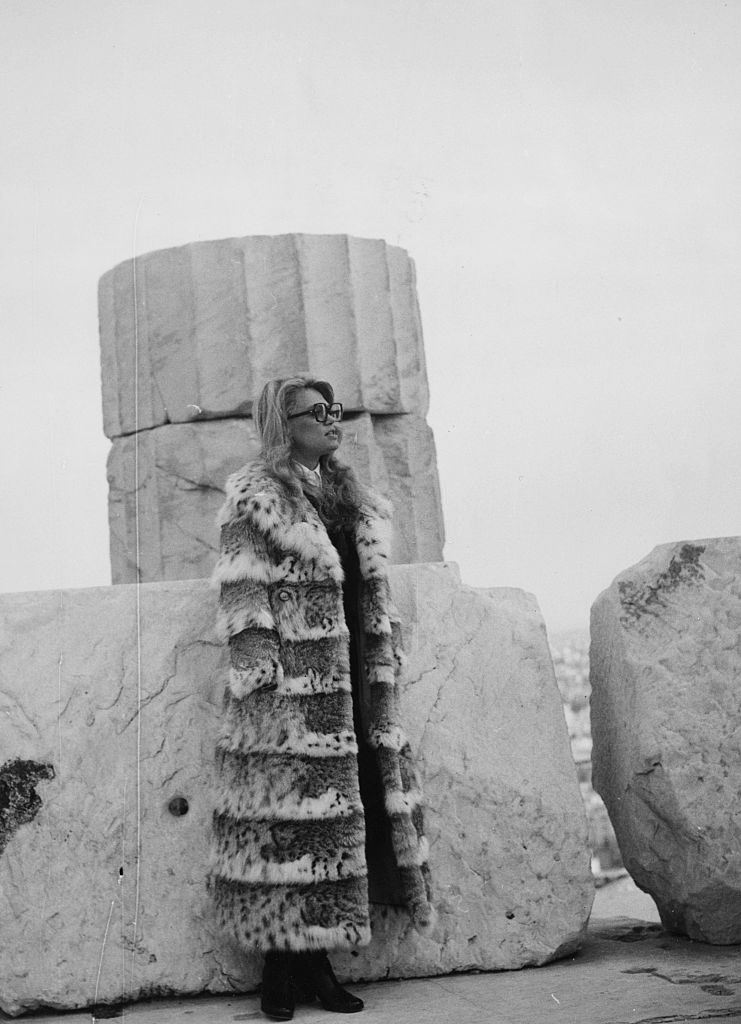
point(189, 335)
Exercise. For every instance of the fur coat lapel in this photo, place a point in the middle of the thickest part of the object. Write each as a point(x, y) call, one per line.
point(257, 500)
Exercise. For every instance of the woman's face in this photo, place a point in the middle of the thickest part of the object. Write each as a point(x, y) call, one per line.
point(309, 439)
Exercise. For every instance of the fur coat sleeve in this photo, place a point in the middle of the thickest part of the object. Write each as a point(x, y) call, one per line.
point(289, 868)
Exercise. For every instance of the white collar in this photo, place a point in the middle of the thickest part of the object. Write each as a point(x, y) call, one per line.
point(314, 476)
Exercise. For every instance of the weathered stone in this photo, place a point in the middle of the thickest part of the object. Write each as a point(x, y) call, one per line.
point(408, 449)
point(666, 726)
point(191, 333)
point(181, 470)
point(187, 337)
point(508, 832)
point(117, 692)
point(165, 488)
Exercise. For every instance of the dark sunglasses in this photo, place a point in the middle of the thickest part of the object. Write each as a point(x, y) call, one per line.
point(320, 411)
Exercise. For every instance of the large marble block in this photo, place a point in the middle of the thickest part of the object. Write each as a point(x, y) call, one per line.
point(166, 486)
point(109, 703)
point(193, 332)
point(666, 726)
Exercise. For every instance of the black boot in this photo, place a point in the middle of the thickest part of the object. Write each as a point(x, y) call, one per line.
point(318, 972)
point(277, 998)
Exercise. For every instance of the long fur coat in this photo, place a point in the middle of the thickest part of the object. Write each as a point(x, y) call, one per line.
point(289, 866)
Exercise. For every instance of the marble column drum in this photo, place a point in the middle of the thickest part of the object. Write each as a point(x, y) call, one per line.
point(188, 336)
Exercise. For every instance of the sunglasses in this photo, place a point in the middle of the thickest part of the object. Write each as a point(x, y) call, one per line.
point(321, 412)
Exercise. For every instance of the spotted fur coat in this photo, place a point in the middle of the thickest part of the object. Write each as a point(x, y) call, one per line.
point(289, 868)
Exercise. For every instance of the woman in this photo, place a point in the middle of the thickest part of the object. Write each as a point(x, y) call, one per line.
point(311, 744)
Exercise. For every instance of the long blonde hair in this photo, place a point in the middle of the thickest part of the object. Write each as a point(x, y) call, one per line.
point(341, 494)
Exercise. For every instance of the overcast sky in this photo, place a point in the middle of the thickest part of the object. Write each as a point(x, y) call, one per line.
point(565, 174)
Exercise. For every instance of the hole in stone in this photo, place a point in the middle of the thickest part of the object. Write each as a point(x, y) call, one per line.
point(178, 806)
point(120, 872)
point(509, 915)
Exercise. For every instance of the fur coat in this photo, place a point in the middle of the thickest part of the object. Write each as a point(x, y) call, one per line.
point(289, 866)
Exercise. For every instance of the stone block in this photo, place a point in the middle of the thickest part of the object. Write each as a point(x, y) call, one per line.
point(165, 487)
point(407, 446)
point(109, 707)
point(168, 520)
point(508, 831)
point(193, 332)
point(666, 727)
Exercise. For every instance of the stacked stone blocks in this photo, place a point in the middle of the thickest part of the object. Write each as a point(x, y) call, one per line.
point(189, 335)
point(110, 698)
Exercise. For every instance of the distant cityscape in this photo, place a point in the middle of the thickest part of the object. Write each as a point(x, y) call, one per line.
point(570, 653)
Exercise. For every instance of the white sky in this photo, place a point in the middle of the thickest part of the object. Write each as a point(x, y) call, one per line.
point(565, 174)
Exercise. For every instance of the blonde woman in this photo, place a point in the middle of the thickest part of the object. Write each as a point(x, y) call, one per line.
point(319, 808)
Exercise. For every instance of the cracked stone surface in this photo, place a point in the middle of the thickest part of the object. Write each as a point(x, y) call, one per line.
point(182, 469)
point(666, 726)
point(117, 691)
point(214, 320)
